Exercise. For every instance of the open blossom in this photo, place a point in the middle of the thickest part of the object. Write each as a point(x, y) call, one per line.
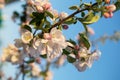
point(54, 13)
point(52, 44)
point(35, 70)
point(86, 59)
point(2, 3)
point(61, 60)
point(107, 1)
point(27, 37)
point(110, 9)
point(63, 15)
point(42, 5)
point(11, 54)
point(49, 75)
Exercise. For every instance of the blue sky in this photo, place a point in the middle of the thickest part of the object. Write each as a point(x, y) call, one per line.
point(106, 68)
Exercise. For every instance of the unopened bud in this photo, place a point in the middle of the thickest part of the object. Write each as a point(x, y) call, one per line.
point(65, 27)
point(106, 15)
point(38, 60)
point(107, 1)
point(47, 36)
point(47, 6)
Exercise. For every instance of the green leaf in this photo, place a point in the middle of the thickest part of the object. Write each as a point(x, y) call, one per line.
point(70, 21)
point(84, 40)
point(92, 20)
point(32, 21)
point(66, 52)
point(82, 14)
point(38, 15)
point(72, 42)
point(71, 59)
point(30, 61)
point(27, 28)
point(74, 7)
point(43, 56)
point(49, 14)
point(117, 4)
point(26, 71)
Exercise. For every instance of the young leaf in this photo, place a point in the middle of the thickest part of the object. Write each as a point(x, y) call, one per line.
point(117, 4)
point(66, 52)
point(43, 56)
point(84, 40)
point(49, 14)
point(93, 19)
point(71, 59)
point(27, 28)
point(74, 7)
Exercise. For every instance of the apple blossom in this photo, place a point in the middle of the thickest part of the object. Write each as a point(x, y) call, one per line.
point(35, 70)
point(2, 2)
point(53, 43)
point(11, 54)
point(61, 60)
point(63, 15)
point(27, 37)
point(86, 59)
point(111, 8)
point(90, 31)
point(107, 1)
point(106, 15)
point(49, 75)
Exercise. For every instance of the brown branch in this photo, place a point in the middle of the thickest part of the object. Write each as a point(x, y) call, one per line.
point(72, 15)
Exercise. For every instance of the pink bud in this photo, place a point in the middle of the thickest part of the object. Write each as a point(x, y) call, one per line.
point(65, 27)
point(112, 7)
point(110, 14)
point(47, 36)
point(90, 30)
point(107, 1)
point(106, 15)
point(77, 47)
point(47, 6)
point(38, 60)
point(39, 9)
point(30, 2)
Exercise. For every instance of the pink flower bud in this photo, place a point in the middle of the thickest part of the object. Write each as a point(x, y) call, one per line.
point(110, 15)
point(38, 60)
point(107, 1)
point(47, 6)
point(39, 9)
point(65, 27)
point(47, 36)
point(77, 47)
point(30, 2)
point(90, 30)
point(106, 15)
point(112, 7)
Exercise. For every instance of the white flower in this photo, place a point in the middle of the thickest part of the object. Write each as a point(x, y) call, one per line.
point(42, 5)
point(52, 45)
point(86, 59)
point(63, 15)
point(81, 66)
point(90, 31)
point(11, 54)
point(49, 75)
point(27, 37)
point(18, 43)
point(61, 60)
point(35, 69)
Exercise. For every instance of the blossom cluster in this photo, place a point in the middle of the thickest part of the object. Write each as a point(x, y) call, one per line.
point(109, 9)
point(41, 37)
